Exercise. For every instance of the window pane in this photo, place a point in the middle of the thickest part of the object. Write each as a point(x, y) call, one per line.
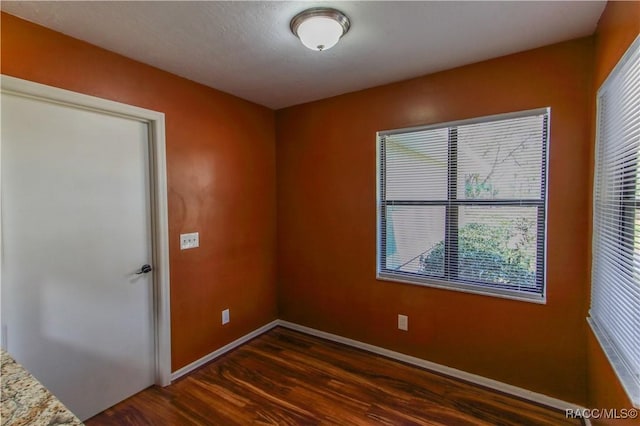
point(498, 245)
point(463, 204)
point(416, 165)
point(615, 269)
point(413, 233)
point(501, 159)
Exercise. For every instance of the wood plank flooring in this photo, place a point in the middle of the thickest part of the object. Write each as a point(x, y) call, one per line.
point(288, 378)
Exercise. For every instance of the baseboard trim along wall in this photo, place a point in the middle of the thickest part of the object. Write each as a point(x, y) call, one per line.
point(223, 350)
point(418, 362)
point(439, 368)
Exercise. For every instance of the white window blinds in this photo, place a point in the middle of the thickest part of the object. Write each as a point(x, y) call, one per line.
point(615, 281)
point(462, 205)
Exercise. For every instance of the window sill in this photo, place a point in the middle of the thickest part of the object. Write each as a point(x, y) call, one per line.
point(630, 384)
point(445, 285)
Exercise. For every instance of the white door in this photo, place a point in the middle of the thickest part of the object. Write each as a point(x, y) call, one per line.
point(75, 228)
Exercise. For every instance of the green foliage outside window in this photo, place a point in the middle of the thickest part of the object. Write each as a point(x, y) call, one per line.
point(495, 254)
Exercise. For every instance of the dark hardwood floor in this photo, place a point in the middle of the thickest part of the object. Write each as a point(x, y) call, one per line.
point(288, 378)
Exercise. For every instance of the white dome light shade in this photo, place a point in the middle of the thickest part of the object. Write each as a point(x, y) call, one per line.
point(320, 28)
point(319, 33)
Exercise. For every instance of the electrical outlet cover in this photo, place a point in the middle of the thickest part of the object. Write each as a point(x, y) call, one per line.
point(403, 322)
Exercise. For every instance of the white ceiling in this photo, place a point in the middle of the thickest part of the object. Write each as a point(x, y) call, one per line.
point(246, 48)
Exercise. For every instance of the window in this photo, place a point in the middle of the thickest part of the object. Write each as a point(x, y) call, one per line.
point(615, 272)
point(462, 205)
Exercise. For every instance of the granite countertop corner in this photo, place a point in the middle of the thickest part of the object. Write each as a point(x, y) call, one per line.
point(25, 401)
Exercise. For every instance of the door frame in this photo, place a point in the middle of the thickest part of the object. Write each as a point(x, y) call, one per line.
point(158, 196)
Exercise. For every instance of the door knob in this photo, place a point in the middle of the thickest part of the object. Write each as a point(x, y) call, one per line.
point(144, 269)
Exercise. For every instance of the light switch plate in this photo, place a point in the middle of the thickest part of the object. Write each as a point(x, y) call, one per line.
point(189, 241)
point(225, 316)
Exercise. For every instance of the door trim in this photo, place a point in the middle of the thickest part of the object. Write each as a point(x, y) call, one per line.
point(158, 195)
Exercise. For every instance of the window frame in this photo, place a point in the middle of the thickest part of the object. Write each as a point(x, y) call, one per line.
point(452, 204)
point(624, 219)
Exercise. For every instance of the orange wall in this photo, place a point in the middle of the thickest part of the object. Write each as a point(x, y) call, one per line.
point(327, 222)
point(221, 170)
point(618, 27)
point(221, 180)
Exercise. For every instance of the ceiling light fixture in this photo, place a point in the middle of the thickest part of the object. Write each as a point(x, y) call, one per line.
point(320, 28)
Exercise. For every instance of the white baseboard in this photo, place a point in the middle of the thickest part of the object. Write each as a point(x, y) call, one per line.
point(418, 362)
point(439, 368)
point(223, 350)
